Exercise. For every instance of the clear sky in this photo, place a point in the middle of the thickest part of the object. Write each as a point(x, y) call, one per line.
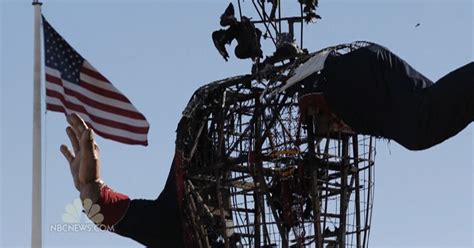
point(158, 52)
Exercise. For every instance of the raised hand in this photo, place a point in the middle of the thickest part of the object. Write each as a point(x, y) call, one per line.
point(84, 159)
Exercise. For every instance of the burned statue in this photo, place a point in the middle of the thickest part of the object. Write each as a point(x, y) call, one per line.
point(284, 156)
point(281, 157)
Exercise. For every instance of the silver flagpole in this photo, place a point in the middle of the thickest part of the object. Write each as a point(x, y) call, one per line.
point(36, 207)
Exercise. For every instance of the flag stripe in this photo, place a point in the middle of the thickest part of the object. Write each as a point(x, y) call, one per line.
point(93, 87)
point(99, 83)
point(54, 89)
point(78, 87)
point(57, 108)
point(96, 126)
point(96, 118)
point(102, 88)
point(104, 92)
point(92, 72)
point(92, 99)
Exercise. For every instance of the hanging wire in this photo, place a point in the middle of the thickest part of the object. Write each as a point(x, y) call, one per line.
point(265, 16)
point(240, 10)
point(279, 16)
point(264, 23)
point(301, 30)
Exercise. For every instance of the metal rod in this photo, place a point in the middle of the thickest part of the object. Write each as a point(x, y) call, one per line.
point(343, 209)
point(367, 209)
point(196, 140)
point(355, 148)
point(315, 190)
point(293, 19)
point(264, 23)
point(301, 31)
point(279, 16)
point(219, 174)
point(240, 10)
point(266, 18)
point(197, 227)
point(222, 213)
point(257, 134)
point(326, 200)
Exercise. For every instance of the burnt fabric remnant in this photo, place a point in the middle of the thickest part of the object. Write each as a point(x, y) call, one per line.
point(375, 92)
point(310, 10)
point(284, 157)
point(244, 31)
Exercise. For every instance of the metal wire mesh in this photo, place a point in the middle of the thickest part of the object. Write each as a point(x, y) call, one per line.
point(273, 173)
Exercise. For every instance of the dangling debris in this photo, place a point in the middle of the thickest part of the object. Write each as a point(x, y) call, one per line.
point(244, 31)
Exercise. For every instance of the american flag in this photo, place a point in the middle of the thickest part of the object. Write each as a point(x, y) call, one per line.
point(73, 85)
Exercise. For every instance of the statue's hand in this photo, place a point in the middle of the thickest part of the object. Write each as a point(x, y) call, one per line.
point(84, 159)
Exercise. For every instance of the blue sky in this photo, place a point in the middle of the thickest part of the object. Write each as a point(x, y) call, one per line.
point(159, 52)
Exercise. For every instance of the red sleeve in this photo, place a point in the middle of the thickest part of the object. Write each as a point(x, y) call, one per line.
point(113, 205)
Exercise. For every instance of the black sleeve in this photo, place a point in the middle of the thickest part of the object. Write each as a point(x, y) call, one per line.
point(375, 92)
point(447, 107)
point(154, 223)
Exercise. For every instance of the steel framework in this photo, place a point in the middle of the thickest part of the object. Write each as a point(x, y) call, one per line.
point(275, 171)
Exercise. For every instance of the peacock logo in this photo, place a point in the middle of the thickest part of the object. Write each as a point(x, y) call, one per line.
point(73, 212)
point(75, 221)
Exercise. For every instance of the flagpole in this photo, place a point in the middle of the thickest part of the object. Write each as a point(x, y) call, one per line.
point(36, 205)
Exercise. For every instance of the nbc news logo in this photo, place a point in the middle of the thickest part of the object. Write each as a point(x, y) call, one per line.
point(75, 220)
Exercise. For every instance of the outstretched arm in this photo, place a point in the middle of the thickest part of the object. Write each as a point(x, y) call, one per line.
point(141, 220)
point(380, 94)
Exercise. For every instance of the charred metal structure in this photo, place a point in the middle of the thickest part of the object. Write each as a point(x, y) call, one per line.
point(271, 168)
point(273, 172)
